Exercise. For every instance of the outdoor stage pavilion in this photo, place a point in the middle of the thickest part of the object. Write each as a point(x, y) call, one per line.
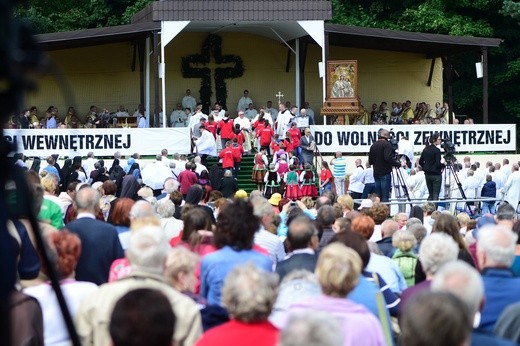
point(218, 48)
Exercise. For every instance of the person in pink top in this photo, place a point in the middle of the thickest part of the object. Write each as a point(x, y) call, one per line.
point(338, 271)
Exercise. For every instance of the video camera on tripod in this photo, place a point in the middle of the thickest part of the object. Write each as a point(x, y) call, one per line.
point(449, 151)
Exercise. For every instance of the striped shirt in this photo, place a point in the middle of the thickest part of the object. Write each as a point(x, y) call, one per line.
point(339, 167)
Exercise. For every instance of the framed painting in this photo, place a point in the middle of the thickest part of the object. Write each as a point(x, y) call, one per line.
point(342, 81)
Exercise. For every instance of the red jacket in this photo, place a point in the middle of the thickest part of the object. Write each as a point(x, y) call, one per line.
point(228, 157)
point(226, 128)
point(238, 150)
point(212, 127)
point(295, 136)
point(266, 136)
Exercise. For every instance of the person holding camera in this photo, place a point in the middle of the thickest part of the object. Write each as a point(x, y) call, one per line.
point(382, 158)
point(430, 162)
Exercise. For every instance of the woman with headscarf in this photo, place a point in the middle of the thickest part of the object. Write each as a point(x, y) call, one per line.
point(64, 174)
point(195, 196)
point(116, 174)
point(129, 187)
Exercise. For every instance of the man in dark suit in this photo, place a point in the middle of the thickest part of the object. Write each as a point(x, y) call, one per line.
point(302, 239)
point(100, 244)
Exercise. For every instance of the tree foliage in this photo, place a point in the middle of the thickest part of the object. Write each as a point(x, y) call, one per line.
point(483, 18)
point(67, 15)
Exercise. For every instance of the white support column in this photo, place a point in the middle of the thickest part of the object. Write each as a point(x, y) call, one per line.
point(147, 79)
point(297, 74)
point(162, 75)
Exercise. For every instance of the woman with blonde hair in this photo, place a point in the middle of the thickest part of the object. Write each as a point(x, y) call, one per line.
point(338, 271)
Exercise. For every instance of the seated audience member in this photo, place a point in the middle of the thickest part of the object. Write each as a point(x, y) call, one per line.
point(380, 264)
point(180, 272)
point(99, 240)
point(325, 219)
point(134, 320)
point(338, 271)
point(495, 254)
point(297, 286)
point(435, 319)
point(316, 329)
point(465, 282)
point(234, 235)
point(67, 248)
point(436, 250)
point(371, 290)
point(146, 253)
point(388, 228)
point(404, 256)
point(263, 237)
point(302, 241)
point(248, 294)
point(170, 225)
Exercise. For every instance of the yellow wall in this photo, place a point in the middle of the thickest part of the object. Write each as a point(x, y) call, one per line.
point(102, 75)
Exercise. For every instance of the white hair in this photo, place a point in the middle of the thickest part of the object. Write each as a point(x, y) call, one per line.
point(462, 280)
point(262, 207)
point(170, 185)
point(249, 293)
point(436, 250)
point(147, 249)
point(142, 209)
point(498, 243)
point(166, 209)
point(312, 329)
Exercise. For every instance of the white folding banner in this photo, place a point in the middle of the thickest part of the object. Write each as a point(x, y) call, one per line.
point(359, 138)
point(102, 142)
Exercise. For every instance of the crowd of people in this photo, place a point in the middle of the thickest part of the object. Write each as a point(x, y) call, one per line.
point(404, 113)
point(188, 112)
point(138, 243)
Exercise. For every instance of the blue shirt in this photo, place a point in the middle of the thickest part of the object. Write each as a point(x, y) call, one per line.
point(216, 266)
point(500, 290)
point(51, 123)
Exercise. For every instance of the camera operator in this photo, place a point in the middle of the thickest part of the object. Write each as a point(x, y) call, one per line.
point(382, 158)
point(430, 162)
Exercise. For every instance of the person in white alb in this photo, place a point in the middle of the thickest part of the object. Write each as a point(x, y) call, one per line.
point(244, 101)
point(356, 185)
point(178, 117)
point(188, 101)
point(284, 118)
point(272, 111)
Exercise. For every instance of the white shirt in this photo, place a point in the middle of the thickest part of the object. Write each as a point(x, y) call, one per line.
point(356, 180)
point(244, 123)
point(250, 113)
point(54, 329)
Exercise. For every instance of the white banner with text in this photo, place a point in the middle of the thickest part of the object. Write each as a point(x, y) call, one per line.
point(359, 138)
point(102, 142)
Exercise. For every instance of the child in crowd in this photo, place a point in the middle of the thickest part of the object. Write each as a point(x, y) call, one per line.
point(265, 134)
point(308, 182)
point(326, 178)
point(238, 151)
point(292, 189)
point(260, 168)
point(272, 181)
